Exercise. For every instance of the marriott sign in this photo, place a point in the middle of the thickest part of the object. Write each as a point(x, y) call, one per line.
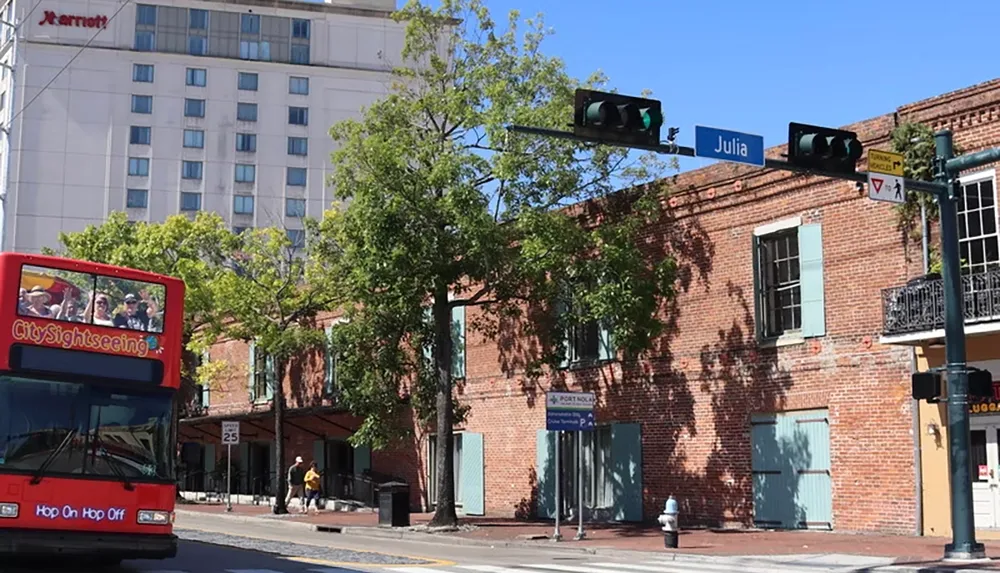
point(50, 18)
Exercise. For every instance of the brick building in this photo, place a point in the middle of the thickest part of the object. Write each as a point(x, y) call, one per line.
point(773, 399)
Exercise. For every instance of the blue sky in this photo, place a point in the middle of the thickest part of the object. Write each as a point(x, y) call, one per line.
point(753, 66)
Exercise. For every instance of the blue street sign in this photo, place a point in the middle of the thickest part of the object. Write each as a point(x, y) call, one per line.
point(568, 420)
point(569, 411)
point(728, 145)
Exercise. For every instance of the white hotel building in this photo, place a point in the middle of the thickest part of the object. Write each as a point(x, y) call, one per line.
point(178, 106)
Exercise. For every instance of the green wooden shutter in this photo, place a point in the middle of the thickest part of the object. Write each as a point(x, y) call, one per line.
point(329, 380)
point(458, 342)
point(252, 369)
point(545, 474)
point(319, 450)
point(471, 475)
point(271, 377)
point(811, 280)
point(626, 464)
point(362, 459)
point(244, 462)
point(209, 462)
point(605, 346)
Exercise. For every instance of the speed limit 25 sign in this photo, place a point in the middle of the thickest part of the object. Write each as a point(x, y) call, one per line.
point(230, 433)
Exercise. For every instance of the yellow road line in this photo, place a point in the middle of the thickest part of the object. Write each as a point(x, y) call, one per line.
point(427, 562)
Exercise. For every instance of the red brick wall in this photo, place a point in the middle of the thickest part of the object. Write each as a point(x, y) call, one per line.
point(707, 375)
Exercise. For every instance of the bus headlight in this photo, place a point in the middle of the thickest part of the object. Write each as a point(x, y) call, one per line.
point(8, 510)
point(153, 517)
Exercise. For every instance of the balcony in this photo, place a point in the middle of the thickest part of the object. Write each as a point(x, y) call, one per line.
point(915, 311)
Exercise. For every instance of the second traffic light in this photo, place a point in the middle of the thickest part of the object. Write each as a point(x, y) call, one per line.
point(617, 118)
point(823, 148)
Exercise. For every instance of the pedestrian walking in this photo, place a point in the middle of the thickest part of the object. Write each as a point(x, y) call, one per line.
point(296, 483)
point(312, 486)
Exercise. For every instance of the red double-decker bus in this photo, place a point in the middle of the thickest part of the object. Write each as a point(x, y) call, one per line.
point(90, 360)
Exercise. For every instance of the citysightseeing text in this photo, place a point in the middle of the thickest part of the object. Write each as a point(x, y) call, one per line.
point(78, 338)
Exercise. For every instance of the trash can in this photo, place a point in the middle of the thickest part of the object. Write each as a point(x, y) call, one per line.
point(394, 504)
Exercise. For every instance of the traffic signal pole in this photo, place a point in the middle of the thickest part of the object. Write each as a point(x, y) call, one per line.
point(945, 189)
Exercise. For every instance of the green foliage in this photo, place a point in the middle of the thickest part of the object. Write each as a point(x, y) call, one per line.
point(438, 197)
point(272, 294)
point(916, 142)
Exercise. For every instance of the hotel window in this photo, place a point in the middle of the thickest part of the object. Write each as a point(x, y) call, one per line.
point(247, 81)
point(255, 51)
point(142, 73)
point(298, 146)
point(190, 201)
point(145, 15)
point(246, 142)
point(198, 19)
point(300, 29)
point(140, 135)
point(298, 116)
point(246, 111)
point(242, 205)
point(300, 54)
point(295, 207)
point(136, 198)
point(246, 173)
point(295, 176)
point(194, 138)
point(142, 104)
point(197, 77)
point(250, 23)
point(197, 45)
point(297, 237)
point(298, 86)
point(145, 41)
point(138, 167)
point(191, 169)
point(194, 107)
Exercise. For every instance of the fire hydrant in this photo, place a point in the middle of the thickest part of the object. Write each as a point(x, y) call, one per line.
point(668, 519)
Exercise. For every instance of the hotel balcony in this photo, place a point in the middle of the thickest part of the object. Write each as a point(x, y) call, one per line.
point(913, 314)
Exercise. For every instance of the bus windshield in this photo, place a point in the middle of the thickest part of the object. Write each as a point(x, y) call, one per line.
point(102, 300)
point(115, 433)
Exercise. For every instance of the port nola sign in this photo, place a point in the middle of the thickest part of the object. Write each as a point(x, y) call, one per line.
point(569, 411)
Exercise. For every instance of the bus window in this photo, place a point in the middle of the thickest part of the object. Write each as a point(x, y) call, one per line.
point(92, 299)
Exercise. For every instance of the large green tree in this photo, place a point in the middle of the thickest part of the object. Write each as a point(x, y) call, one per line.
point(273, 291)
point(442, 208)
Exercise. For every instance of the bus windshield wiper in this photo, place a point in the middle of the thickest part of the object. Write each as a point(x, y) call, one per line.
point(37, 478)
point(111, 461)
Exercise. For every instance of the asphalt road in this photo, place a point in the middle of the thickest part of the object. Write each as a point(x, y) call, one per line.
point(215, 546)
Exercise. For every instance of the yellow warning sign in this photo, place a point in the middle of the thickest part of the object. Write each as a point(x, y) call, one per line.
point(885, 162)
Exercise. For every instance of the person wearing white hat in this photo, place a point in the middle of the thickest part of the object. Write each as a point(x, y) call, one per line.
point(296, 484)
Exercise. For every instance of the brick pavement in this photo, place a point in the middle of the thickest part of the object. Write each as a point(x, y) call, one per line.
point(910, 550)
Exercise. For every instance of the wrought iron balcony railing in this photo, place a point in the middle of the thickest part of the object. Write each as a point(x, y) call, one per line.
point(918, 306)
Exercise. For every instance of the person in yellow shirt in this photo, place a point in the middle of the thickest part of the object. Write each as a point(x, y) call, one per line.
point(312, 486)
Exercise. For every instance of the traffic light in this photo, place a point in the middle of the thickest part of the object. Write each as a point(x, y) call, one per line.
point(617, 118)
point(980, 383)
point(823, 148)
point(926, 385)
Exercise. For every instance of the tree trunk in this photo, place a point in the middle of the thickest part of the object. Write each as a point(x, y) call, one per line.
point(278, 405)
point(444, 508)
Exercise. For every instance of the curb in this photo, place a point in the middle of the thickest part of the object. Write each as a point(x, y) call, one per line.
point(446, 539)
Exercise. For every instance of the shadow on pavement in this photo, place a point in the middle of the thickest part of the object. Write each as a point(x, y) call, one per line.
point(192, 557)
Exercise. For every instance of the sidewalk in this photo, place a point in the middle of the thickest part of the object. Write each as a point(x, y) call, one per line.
point(915, 553)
